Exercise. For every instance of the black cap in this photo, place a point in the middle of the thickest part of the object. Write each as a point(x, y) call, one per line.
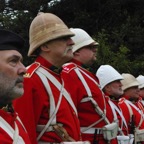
point(10, 41)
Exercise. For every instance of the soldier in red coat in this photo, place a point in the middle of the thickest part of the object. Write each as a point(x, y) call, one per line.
point(131, 91)
point(110, 81)
point(12, 70)
point(136, 110)
point(46, 107)
point(86, 93)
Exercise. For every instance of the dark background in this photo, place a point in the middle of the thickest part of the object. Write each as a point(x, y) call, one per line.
point(118, 25)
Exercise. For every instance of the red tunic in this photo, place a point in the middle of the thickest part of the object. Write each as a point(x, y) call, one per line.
point(86, 111)
point(10, 118)
point(33, 107)
point(140, 105)
point(127, 119)
point(136, 115)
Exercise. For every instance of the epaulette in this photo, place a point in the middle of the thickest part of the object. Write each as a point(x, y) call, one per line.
point(31, 69)
point(121, 100)
point(68, 67)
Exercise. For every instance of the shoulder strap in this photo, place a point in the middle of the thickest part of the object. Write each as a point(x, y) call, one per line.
point(142, 101)
point(129, 108)
point(114, 109)
point(90, 98)
point(141, 107)
point(83, 82)
point(128, 103)
point(58, 85)
point(14, 134)
point(53, 110)
point(21, 123)
point(131, 104)
point(50, 94)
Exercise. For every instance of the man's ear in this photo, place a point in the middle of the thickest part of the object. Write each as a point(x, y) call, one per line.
point(107, 87)
point(45, 48)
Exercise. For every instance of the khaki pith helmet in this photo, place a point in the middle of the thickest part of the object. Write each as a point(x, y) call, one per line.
point(128, 81)
point(46, 27)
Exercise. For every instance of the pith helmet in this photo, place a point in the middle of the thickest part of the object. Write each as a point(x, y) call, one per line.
point(107, 74)
point(46, 27)
point(81, 39)
point(140, 79)
point(128, 81)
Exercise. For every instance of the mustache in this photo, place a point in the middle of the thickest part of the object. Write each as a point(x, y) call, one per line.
point(70, 48)
point(67, 49)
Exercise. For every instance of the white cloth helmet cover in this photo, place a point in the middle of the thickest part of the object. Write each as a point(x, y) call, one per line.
point(140, 79)
point(81, 39)
point(107, 74)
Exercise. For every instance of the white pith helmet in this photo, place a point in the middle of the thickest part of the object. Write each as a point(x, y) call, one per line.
point(81, 39)
point(107, 74)
point(128, 81)
point(140, 79)
point(46, 27)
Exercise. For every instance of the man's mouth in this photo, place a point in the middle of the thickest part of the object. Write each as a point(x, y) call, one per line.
point(19, 80)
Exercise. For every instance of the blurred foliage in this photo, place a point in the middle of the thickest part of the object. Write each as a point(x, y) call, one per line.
point(118, 25)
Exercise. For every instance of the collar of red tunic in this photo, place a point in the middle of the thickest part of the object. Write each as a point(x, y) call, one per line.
point(85, 67)
point(47, 64)
point(8, 111)
point(80, 64)
point(128, 98)
point(112, 97)
point(8, 108)
point(8, 116)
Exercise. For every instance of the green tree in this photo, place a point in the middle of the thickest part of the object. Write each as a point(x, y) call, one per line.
point(118, 25)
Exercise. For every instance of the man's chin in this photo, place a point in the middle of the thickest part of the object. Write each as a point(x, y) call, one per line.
point(68, 57)
point(19, 92)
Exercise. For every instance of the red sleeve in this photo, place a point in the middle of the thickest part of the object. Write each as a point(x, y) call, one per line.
point(27, 106)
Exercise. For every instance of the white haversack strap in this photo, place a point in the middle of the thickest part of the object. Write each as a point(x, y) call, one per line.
point(84, 82)
point(141, 107)
point(14, 134)
point(52, 119)
point(51, 97)
point(131, 104)
point(58, 85)
point(89, 77)
point(114, 109)
point(142, 101)
point(21, 123)
point(90, 97)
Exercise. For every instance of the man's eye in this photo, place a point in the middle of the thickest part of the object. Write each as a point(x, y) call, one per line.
point(14, 60)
